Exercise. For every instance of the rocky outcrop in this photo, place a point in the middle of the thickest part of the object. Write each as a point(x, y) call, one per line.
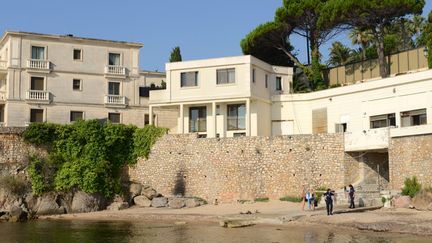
point(142, 201)
point(84, 202)
point(159, 202)
point(176, 202)
point(401, 202)
point(423, 200)
point(49, 204)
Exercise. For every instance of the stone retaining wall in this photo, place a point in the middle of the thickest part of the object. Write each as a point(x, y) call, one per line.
point(244, 168)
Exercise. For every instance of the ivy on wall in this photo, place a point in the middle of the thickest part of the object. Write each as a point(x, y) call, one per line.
point(87, 155)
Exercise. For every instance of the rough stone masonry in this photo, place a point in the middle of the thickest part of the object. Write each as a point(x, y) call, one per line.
point(244, 168)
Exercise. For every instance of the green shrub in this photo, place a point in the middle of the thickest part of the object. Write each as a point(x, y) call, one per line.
point(262, 199)
point(36, 175)
point(411, 187)
point(13, 184)
point(40, 133)
point(144, 139)
point(291, 199)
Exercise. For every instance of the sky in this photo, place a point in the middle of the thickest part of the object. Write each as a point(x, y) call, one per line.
point(202, 28)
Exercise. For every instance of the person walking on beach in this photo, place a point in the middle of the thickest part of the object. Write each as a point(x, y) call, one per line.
point(329, 201)
point(303, 197)
point(351, 192)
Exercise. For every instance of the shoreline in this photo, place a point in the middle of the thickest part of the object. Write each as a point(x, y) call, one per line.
point(283, 214)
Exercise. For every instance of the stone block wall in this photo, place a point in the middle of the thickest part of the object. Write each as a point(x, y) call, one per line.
point(244, 168)
point(410, 156)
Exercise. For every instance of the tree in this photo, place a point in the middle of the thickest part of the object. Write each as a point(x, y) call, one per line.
point(363, 38)
point(375, 15)
point(426, 38)
point(175, 55)
point(339, 54)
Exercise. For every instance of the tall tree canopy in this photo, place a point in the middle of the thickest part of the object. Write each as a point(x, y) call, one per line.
point(375, 15)
point(175, 55)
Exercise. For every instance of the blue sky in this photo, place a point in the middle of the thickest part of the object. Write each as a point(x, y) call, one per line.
point(202, 29)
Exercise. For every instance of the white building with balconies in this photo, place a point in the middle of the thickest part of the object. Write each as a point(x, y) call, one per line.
point(63, 78)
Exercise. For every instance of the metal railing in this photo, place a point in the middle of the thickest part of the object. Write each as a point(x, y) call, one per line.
point(38, 64)
point(37, 95)
point(115, 100)
point(116, 70)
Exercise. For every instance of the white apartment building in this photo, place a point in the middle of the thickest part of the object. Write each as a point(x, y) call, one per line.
point(63, 78)
point(233, 96)
point(222, 97)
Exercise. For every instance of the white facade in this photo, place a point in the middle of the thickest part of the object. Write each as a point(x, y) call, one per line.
point(59, 79)
point(222, 97)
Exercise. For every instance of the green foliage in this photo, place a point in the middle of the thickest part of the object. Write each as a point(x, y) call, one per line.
point(262, 199)
point(88, 155)
point(175, 55)
point(40, 133)
point(291, 199)
point(13, 184)
point(383, 200)
point(411, 187)
point(339, 54)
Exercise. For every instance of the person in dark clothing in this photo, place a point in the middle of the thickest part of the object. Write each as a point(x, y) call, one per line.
point(329, 201)
point(351, 192)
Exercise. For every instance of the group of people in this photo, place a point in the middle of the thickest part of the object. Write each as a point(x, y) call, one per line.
point(309, 196)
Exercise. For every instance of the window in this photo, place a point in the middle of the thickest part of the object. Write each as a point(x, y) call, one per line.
point(76, 115)
point(76, 84)
point(382, 120)
point(114, 59)
point(36, 83)
point(266, 80)
point(189, 79)
point(413, 118)
point(279, 83)
point(239, 134)
point(198, 119)
point(1, 113)
point(253, 75)
point(146, 119)
point(114, 117)
point(38, 52)
point(36, 115)
point(340, 127)
point(236, 117)
point(113, 88)
point(225, 76)
point(77, 54)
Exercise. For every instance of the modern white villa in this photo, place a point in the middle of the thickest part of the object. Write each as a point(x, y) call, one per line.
point(63, 78)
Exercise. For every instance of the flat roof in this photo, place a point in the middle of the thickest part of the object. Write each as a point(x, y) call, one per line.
point(70, 37)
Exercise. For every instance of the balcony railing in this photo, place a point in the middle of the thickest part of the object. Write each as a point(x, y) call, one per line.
point(37, 95)
point(38, 64)
point(372, 139)
point(115, 70)
point(115, 100)
point(3, 64)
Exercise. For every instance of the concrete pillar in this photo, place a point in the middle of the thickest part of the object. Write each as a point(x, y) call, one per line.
point(151, 115)
point(212, 131)
point(181, 123)
point(248, 118)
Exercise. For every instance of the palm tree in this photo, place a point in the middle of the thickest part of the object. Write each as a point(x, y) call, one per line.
point(339, 54)
point(416, 26)
point(363, 38)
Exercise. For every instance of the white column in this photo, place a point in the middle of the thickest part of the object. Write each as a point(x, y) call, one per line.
point(151, 115)
point(181, 122)
point(213, 130)
point(248, 118)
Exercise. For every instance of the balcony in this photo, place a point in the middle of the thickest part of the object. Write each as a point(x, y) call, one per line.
point(38, 96)
point(373, 139)
point(115, 101)
point(115, 71)
point(37, 65)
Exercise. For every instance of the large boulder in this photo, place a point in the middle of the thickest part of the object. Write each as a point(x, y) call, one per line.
point(115, 206)
point(159, 202)
point(84, 203)
point(423, 200)
point(149, 192)
point(401, 202)
point(17, 214)
point(176, 202)
point(47, 204)
point(194, 202)
point(134, 190)
point(142, 201)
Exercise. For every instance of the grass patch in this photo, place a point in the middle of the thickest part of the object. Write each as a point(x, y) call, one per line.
point(291, 199)
point(262, 199)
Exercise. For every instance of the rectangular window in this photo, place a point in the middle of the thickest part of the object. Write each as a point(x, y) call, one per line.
point(113, 88)
point(114, 117)
point(253, 75)
point(198, 119)
point(2, 113)
point(76, 115)
point(77, 54)
point(340, 127)
point(279, 83)
point(38, 52)
point(225, 76)
point(385, 120)
point(76, 84)
point(236, 118)
point(413, 118)
point(146, 119)
point(36, 115)
point(114, 59)
point(266, 81)
point(189, 79)
point(36, 83)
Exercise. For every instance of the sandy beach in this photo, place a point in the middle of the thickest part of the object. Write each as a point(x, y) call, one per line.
point(273, 213)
